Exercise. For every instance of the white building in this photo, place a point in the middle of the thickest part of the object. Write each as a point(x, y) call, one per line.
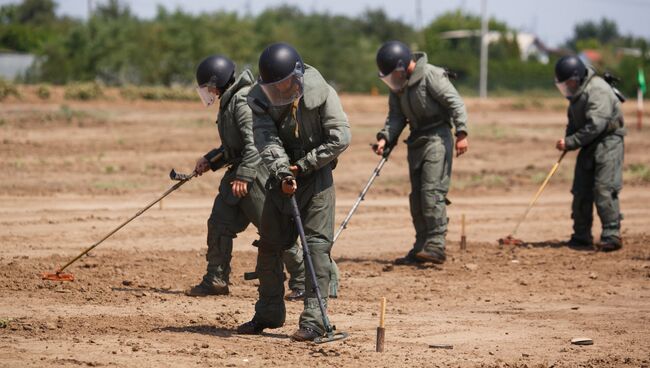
point(14, 64)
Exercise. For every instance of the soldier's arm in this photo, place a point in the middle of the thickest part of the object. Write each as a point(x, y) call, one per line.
point(597, 114)
point(336, 130)
point(395, 121)
point(269, 146)
point(247, 169)
point(443, 91)
point(570, 127)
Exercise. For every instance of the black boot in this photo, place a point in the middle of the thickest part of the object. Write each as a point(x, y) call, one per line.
point(432, 254)
point(580, 243)
point(305, 334)
point(407, 260)
point(216, 287)
point(251, 328)
point(296, 294)
point(610, 244)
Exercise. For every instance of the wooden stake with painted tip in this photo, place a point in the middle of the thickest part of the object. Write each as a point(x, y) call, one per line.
point(463, 238)
point(381, 331)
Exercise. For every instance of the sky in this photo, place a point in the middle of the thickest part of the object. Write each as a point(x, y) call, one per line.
point(551, 20)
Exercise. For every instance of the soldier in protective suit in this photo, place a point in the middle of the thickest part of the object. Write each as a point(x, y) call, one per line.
point(300, 129)
point(596, 128)
point(422, 97)
point(241, 192)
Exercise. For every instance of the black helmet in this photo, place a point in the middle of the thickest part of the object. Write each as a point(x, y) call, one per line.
point(391, 55)
point(214, 72)
point(278, 61)
point(570, 67)
point(281, 73)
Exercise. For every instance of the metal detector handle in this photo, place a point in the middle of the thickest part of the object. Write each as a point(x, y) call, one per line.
point(310, 265)
point(140, 212)
point(539, 191)
point(387, 150)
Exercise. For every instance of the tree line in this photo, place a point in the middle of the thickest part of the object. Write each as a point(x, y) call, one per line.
point(118, 48)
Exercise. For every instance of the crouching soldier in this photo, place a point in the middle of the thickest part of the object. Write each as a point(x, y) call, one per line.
point(241, 192)
point(300, 129)
point(422, 96)
point(596, 128)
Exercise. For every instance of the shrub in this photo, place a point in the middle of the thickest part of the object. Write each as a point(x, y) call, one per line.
point(83, 91)
point(7, 89)
point(43, 92)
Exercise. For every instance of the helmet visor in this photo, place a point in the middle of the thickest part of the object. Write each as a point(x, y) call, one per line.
point(395, 80)
point(569, 87)
point(286, 90)
point(206, 96)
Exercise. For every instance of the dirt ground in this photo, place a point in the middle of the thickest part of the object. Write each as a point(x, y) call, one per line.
point(72, 171)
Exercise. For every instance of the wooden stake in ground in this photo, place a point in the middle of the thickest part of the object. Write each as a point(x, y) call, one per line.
point(463, 239)
point(381, 331)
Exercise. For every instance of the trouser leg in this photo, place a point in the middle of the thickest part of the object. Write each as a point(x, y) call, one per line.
point(293, 261)
point(318, 223)
point(608, 178)
point(275, 238)
point(223, 225)
point(583, 199)
point(435, 179)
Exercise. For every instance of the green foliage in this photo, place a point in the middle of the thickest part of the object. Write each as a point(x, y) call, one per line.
point(159, 93)
point(83, 91)
point(43, 92)
point(637, 173)
point(120, 49)
point(7, 89)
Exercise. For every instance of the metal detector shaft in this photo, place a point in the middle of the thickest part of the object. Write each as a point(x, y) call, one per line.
point(362, 195)
point(309, 263)
point(173, 188)
point(539, 192)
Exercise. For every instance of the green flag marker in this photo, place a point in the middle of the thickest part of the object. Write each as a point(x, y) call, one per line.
point(641, 78)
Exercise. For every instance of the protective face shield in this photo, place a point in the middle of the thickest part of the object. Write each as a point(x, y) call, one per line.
point(397, 79)
point(287, 89)
point(569, 87)
point(208, 92)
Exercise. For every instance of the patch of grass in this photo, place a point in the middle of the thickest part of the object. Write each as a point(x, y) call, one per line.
point(159, 93)
point(115, 184)
point(7, 89)
point(43, 92)
point(68, 114)
point(637, 172)
point(2, 122)
point(479, 180)
point(518, 105)
point(492, 131)
point(109, 169)
point(83, 91)
point(4, 322)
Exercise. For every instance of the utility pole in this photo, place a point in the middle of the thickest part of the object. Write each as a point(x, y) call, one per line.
point(484, 51)
point(418, 14)
point(90, 9)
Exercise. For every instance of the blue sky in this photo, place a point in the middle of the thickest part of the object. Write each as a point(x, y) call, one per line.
point(552, 20)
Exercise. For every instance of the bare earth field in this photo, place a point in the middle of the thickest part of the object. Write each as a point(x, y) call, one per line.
point(72, 171)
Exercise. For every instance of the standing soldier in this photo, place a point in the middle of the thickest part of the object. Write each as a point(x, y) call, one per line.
point(596, 128)
point(300, 129)
point(422, 96)
point(241, 192)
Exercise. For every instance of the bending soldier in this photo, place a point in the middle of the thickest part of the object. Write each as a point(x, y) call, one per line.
point(241, 192)
point(300, 129)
